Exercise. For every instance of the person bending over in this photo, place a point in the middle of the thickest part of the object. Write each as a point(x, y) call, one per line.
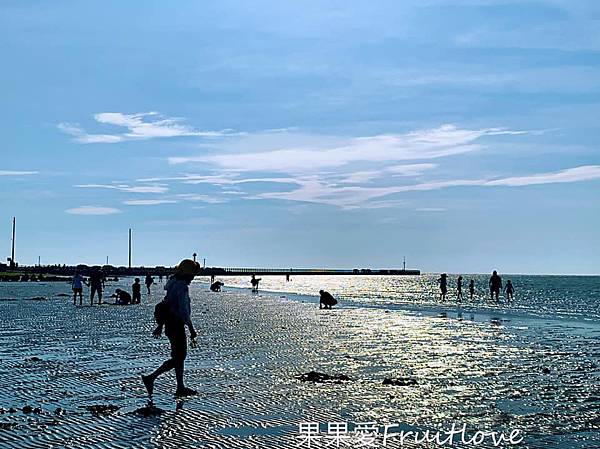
point(123, 297)
point(326, 300)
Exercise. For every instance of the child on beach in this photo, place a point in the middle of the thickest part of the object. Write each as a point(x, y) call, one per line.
point(177, 316)
point(136, 290)
point(254, 283)
point(77, 286)
point(471, 289)
point(443, 281)
point(509, 289)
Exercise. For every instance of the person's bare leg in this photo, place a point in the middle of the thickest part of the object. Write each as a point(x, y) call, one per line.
point(149, 379)
point(179, 375)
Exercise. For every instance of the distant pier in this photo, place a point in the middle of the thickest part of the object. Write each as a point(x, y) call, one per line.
point(113, 271)
point(305, 272)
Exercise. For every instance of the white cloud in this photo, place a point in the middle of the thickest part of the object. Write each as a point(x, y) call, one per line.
point(445, 140)
point(17, 173)
point(317, 191)
point(200, 198)
point(157, 188)
point(583, 173)
point(93, 210)
point(430, 209)
point(410, 169)
point(148, 202)
point(79, 135)
point(145, 125)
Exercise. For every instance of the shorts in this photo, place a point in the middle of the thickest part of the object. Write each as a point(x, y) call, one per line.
point(176, 335)
point(95, 289)
point(137, 297)
point(78, 290)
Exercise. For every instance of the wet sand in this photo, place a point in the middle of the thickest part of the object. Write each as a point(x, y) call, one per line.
point(540, 377)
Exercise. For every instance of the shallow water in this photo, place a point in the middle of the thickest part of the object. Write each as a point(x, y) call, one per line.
point(533, 371)
point(542, 296)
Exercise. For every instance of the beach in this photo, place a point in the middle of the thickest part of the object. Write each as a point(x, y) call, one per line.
point(70, 376)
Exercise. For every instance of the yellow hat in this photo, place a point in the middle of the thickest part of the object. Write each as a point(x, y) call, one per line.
point(188, 267)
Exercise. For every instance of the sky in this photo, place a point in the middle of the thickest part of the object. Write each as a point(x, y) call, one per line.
point(462, 135)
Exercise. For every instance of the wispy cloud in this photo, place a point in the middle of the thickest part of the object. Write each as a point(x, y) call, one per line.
point(154, 202)
point(583, 173)
point(93, 210)
point(200, 198)
point(127, 188)
point(17, 173)
point(174, 199)
point(445, 140)
point(317, 191)
point(140, 126)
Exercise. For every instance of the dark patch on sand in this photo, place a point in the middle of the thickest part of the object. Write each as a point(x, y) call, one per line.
point(400, 382)
point(314, 376)
point(102, 409)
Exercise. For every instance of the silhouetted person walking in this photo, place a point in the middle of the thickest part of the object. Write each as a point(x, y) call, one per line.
point(495, 285)
point(149, 281)
point(174, 312)
point(471, 289)
point(326, 300)
point(443, 281)
point(509, 289)
point(459, 293)
point(96, 281)
point(77, 286)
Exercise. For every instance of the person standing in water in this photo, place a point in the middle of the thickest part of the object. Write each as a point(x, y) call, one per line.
point(509, 289)
point(495, 285)
point(149, 281)
point(471, 289)
point(177, 315)
point(254, 281)
point(443, 281)
point(96, 281)
point(459, 294)
point(77, 286)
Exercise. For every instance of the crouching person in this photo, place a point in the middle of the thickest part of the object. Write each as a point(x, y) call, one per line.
point(173, 313)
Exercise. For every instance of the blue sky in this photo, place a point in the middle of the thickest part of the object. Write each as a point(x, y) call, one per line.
point(460, 134)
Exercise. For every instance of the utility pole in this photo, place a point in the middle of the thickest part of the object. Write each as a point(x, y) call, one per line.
point(39, 261)
point(404, 264)
point(204, 264)
point(106, 260)
point(129, 247)
point(12, 254)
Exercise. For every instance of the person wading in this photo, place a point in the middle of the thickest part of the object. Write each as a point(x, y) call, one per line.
point(174, 313)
